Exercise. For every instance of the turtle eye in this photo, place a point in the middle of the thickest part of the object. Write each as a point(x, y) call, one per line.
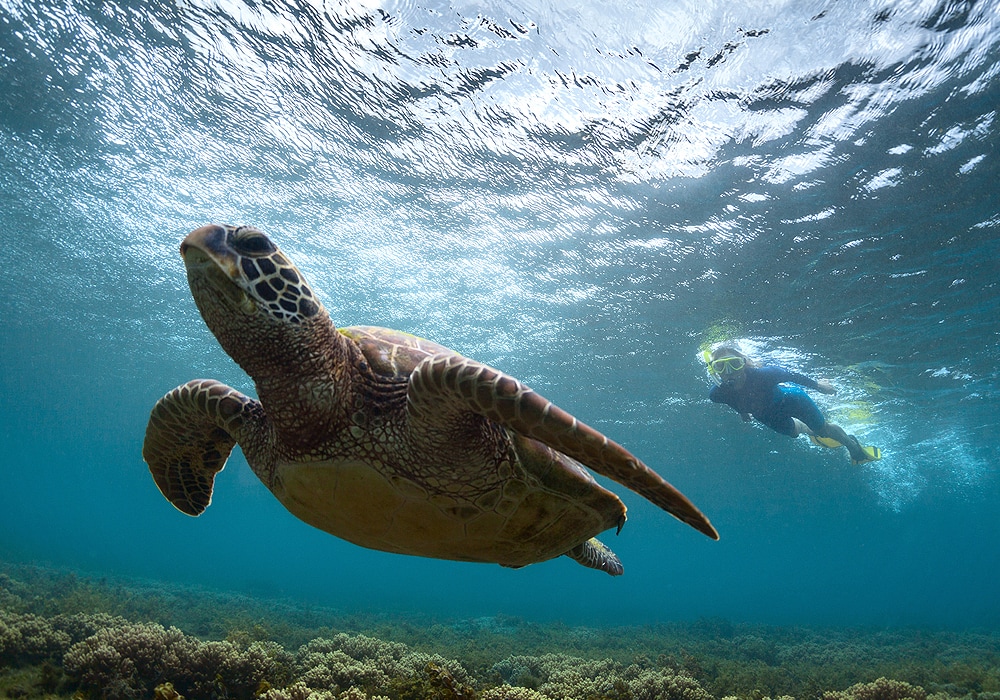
point(250, 241)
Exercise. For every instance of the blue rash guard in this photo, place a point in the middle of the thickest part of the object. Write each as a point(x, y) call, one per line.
point(763, 397)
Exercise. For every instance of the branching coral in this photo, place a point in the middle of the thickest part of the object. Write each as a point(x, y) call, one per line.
point(562, 677)
point(335, 669)
point(571, 678)
point(879, 689)
point(29, 639)
point(132, 659)
point(508, 692)
point(346, 661)
point(124, 661)
point(664, 684)
point(300, 691)
point(520, 670)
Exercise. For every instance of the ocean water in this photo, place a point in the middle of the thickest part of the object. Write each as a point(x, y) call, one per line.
point(583, 195)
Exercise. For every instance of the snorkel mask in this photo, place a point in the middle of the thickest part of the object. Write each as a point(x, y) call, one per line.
point(727, 365)
point(721, 369)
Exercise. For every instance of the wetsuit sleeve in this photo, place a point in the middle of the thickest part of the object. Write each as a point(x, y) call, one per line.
point(779, 375)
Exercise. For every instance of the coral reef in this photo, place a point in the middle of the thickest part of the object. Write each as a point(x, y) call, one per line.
point(131, 660)
point(508, 692)
point(879, 689)
point(372, 664)
point(62, 636)
point(28, 638)
point(563, 677)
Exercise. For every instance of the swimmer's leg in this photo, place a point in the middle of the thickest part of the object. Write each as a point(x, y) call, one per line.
point(807, 419)
point(800, 428)
point(859, 454)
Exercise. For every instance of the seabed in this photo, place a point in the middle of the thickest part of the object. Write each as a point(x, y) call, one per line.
point(64, 635)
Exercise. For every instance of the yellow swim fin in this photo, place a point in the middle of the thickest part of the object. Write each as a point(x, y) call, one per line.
point(874, 455)
point(824, 441)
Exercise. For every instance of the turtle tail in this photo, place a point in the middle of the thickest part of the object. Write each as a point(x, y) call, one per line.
point(190, 434)
point(594, 554)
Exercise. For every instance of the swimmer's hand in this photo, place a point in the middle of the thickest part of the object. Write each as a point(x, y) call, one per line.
point(825, 386)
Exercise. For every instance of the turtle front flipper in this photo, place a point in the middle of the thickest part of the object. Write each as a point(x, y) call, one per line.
point(190, 433)
point(595, 554)
point(504, 400)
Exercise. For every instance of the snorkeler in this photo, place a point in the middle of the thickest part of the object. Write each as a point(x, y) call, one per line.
point(758, 392)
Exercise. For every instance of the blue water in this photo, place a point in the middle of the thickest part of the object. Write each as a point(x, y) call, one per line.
point(582, 197)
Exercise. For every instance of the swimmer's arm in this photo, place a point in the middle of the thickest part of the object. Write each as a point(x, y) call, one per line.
point(779, 376)
point(821, 385)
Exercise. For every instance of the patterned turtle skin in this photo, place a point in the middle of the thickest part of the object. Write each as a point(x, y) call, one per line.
point(382, 438)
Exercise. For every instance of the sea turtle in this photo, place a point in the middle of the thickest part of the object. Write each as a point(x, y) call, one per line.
point(382, 438)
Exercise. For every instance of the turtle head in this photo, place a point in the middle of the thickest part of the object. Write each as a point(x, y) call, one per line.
point(250, 294)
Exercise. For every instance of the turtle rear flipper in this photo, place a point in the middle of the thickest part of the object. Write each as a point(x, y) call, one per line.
point(595, 554)
point(189, 437)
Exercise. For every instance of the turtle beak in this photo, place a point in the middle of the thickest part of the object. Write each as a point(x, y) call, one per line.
point(211, 264)
point(208, 245)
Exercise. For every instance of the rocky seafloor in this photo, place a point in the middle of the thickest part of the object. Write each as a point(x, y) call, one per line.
point(64, 635)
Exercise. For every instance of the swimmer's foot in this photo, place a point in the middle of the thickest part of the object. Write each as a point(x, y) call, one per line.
point(861, 454)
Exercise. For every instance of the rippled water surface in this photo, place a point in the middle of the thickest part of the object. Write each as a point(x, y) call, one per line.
point(583, 195)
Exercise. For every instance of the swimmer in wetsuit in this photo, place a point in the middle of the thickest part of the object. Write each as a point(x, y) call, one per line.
point(758, 392)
